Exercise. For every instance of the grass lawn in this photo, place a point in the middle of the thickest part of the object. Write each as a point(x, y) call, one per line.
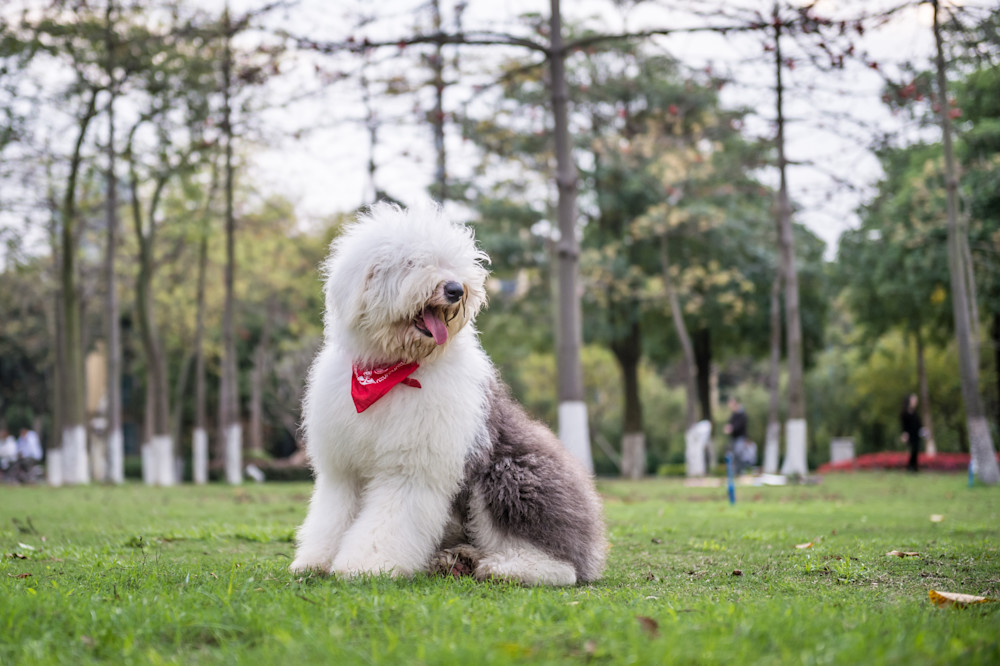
point(199, 575)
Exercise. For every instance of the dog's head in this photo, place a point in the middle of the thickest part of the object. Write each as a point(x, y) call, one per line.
point(401, 283)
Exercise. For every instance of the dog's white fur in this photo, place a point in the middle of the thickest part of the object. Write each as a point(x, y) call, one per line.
point(387, 478)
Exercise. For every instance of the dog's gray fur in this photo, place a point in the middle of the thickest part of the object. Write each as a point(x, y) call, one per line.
point(532, 489)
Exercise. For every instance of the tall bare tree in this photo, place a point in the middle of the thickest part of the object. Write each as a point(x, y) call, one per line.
point(115, 438)
point(74, 433)
point(229, 422)
point(962, 285)
point(573, 427)
point(795, 427)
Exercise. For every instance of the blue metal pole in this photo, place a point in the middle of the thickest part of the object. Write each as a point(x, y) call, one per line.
point(730, 483)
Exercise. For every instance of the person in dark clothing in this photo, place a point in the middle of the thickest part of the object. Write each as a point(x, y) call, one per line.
point(911, 426)
point(744, 453)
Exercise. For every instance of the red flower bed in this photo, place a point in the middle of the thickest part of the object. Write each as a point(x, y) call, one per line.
point(942, 462)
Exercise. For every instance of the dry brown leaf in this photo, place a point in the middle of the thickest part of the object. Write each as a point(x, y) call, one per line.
point(649, 625)
point(955, 599)
point(902, 553)
point(804, 545)
point(737, 572)
point(936, 517)
point(20, 575)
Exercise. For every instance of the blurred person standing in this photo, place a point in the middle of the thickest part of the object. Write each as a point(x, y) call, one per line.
point(911, 426)
point(743, 452)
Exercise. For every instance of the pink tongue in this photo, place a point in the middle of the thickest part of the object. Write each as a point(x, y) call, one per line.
point(435, 326)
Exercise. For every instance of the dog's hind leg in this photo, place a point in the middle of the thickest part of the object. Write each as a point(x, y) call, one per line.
point(333, 507)
point(525, 563)
point(510, 557)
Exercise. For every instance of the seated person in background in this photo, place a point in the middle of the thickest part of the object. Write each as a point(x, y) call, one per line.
point(8, 451)
point(29, 453)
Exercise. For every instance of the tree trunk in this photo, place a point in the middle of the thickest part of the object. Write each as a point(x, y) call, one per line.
point(177, 412)
point(795, 429)
point(699, 455)
point(437, 119)
point(257, 378)
point(703, 359)
point(995, 334)
point(199, 439)
point(228, 392)
point(53, 456)
point(689, 364)
point(772, 445)
point(980, 440)
point(161, 454)
point(115, 438)
point(573, 427)
point(74, 435)
point(627, 352)
point(925, 395)
point(147, 452)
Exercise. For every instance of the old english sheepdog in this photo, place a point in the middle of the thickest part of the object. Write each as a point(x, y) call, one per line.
point(423, 462)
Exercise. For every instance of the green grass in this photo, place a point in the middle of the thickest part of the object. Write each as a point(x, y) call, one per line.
point(199, 575)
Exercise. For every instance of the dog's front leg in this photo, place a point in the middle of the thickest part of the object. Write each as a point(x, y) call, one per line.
point(400, 524)
point(334, 505)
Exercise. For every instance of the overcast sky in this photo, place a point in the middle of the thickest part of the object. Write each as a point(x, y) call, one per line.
point(833, 118)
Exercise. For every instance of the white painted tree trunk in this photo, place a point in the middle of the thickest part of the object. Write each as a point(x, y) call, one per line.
point(981, 446)
point(199, 456)
point(163, 451)
point(634, 455)
point(772, 448)
point(795, 448)
point(54, 467)
point(148, 461)
point(99, 459)
point(116, 457)
point(234, 454)
point(574, 432)
point(696, 447)
point(76, 469)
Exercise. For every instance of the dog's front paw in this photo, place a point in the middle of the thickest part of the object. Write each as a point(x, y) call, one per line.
point(306, 565)
point(458, 561)
point(353, 567)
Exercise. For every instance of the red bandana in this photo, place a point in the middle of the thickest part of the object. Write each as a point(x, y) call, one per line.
point(370, 384)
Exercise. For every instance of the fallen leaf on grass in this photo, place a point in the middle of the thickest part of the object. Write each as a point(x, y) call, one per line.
point(20, 575)
point(657, 541)
point(17, 556)
point(955, 599)
point(25, 546)
point(936, 517)
point(649, 625)
point(902, 553)
point(804, 545)
point(737, 572)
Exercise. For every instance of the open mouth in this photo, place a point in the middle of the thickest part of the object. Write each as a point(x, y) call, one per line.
point(431, 323)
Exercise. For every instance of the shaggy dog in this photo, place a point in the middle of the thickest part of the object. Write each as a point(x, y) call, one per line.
point(422, 460)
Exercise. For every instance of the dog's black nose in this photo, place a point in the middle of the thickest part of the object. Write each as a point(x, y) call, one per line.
point(453, 291)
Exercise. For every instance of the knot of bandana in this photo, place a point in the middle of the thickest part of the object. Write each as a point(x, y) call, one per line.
point(371, 383)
